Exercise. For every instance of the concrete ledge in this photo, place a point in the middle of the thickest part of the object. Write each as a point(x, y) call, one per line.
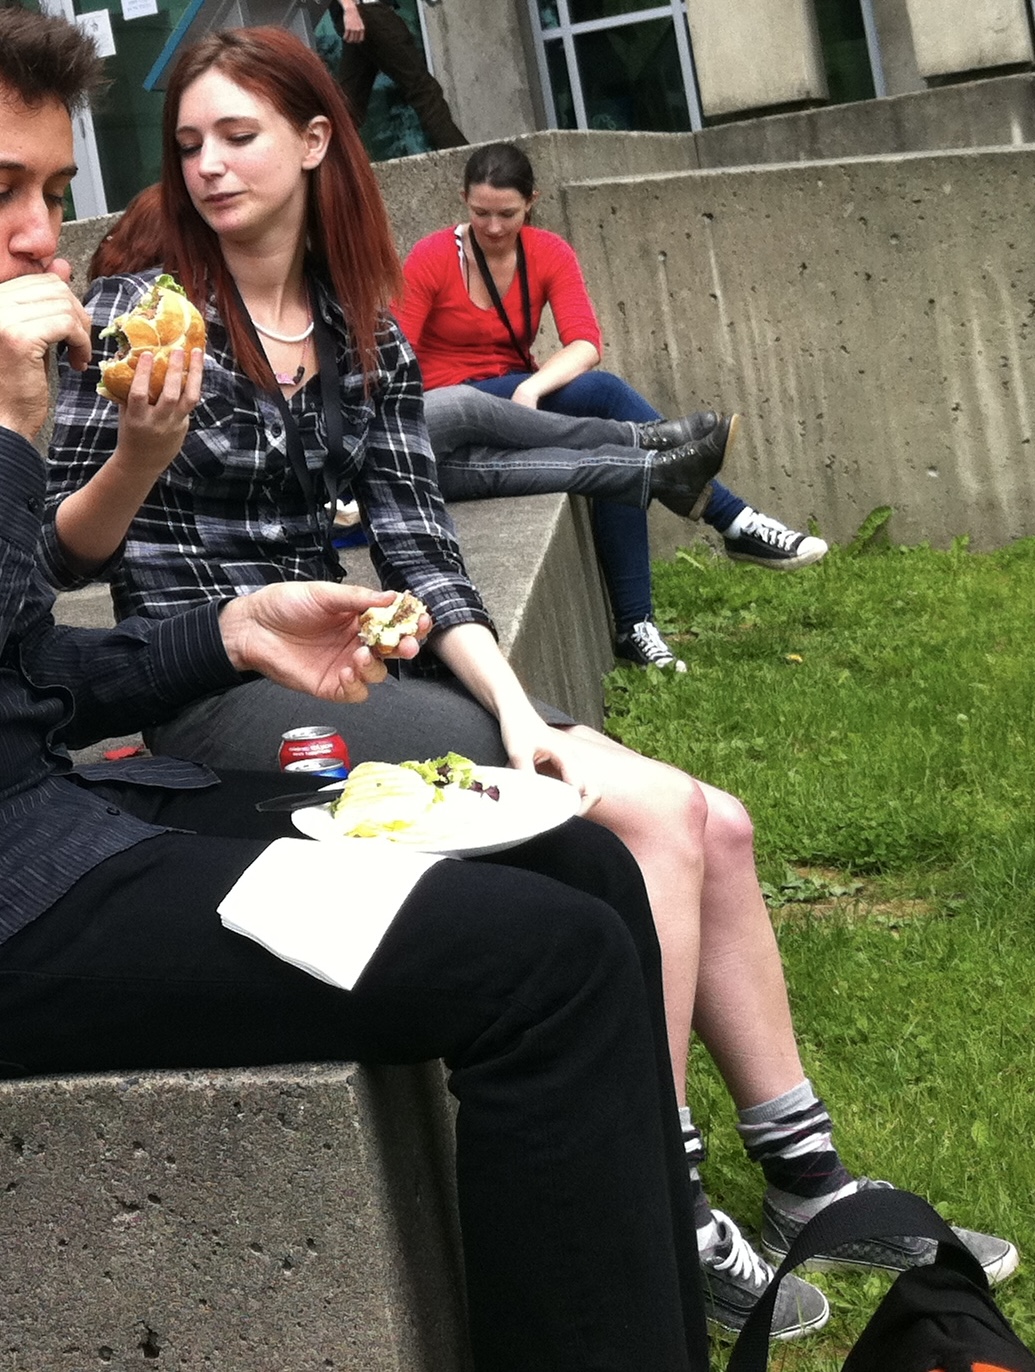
point(998, 111)
point(297, 1217)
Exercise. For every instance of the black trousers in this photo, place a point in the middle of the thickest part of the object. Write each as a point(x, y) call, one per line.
point(534, 975)
point(388, 46)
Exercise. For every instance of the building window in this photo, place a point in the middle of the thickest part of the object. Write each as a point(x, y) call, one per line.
point(847, 41)
point(616, 64)
point(621, 64)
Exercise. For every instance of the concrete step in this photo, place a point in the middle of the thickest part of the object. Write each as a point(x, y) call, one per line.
point(253, 1221)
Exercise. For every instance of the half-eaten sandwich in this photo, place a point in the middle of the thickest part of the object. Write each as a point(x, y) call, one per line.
point(161, 321)
point(382, 626)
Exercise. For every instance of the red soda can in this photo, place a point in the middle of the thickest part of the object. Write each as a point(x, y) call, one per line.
point(314, 741)
point(327, 769)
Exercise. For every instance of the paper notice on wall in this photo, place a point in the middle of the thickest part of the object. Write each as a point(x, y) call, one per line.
point(137, 9)
point(98, 25)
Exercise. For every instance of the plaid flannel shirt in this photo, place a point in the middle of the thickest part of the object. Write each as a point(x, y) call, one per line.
point(229, 514)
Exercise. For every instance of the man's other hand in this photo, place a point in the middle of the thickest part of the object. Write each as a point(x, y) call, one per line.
point(36, 312)
point(305, 635)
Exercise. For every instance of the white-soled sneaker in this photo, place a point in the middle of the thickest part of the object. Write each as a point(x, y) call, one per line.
point(998, 1257)
point(734, 1279)
point(643, 644)
point(765, 542)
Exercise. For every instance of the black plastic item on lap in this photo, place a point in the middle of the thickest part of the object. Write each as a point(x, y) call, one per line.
point(940, 1316)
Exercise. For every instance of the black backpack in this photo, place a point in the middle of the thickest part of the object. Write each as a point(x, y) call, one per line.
point(935, 1317)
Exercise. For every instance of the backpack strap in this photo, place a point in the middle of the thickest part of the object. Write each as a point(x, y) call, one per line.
point(874, 1213)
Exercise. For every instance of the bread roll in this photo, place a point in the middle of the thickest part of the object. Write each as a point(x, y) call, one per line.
point(162, 321)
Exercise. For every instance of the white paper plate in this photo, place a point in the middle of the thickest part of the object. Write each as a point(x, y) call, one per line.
point(466, 824)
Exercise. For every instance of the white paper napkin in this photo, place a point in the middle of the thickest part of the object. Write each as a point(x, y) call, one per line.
point(324, 906)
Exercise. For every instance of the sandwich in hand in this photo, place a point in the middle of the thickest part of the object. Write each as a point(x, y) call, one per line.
point(162, 321)
point(382, 626)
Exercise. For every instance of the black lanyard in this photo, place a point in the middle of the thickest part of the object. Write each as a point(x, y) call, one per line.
point(330, 397)
point(524, 350)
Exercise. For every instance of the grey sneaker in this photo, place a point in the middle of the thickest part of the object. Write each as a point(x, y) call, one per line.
point(642, 643)
point(998, 1257)
point(734, 1278)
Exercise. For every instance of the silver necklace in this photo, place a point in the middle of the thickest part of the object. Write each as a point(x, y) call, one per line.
point(284, 337)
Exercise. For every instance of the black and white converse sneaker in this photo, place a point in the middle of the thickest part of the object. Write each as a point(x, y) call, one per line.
point(642, 643)
point(758, 538)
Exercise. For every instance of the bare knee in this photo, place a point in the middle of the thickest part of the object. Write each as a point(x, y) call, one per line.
point(668, 811)
point(729, 824)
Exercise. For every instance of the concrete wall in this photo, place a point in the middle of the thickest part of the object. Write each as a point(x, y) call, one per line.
point(482, 56)
point(423, 193)
point(949, 38)
point(991, 113)
point(249, 1221)
point(871, 319)
point(751, 57)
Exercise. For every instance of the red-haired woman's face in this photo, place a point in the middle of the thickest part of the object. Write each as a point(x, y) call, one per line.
point(244, 164)
point(497, 215)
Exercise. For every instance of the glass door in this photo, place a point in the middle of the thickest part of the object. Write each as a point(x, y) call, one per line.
point(118, 143)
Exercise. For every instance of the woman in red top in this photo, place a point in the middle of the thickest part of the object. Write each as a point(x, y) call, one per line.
point(474, 299)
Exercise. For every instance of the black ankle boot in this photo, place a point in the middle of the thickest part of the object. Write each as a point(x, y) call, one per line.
point(681, 479)
point(664, 434)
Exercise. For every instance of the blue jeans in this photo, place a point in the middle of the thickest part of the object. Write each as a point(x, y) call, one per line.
point(620, 531)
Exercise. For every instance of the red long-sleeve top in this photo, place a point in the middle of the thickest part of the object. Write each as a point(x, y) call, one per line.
point(457, 341)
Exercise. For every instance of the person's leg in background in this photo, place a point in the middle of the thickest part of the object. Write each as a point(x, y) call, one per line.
point(468, 413)
point(398, 56)
point(748, 535)
point(488, 448)
point(357, 72)
point(472, 414)
point(544, 1000)
point(619, 531)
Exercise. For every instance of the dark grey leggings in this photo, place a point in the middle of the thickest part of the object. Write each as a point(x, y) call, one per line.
point(240, 729)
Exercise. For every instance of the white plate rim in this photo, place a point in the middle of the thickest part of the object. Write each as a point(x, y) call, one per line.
point(564, 803)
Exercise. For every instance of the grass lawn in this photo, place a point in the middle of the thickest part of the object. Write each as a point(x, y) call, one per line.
point(875, 713)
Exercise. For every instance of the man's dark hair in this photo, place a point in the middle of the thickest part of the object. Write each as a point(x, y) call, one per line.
point(45, 58)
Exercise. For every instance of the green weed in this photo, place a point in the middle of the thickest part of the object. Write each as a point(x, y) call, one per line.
point(875, 713)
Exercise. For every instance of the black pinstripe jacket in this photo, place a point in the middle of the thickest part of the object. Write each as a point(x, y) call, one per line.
point(62, 687)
